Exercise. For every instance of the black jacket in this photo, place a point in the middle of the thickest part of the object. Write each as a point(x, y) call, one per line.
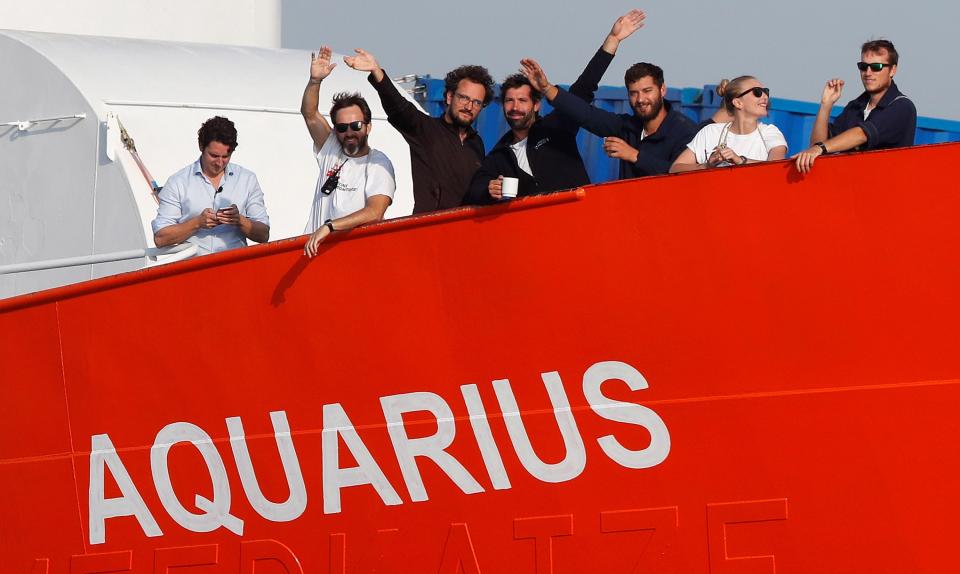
point(657, 151)
point(442, 165)
point(551, 148)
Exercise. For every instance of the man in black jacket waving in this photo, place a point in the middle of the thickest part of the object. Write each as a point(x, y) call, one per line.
point(542, 152)
point(646, 142)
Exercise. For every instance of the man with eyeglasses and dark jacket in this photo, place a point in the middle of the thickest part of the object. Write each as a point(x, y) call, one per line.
point(880, 118)
point(356, 183)
point(541, 153)
point(446, 151)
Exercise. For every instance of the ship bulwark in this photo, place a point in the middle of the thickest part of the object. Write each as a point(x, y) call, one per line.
point(738, 370)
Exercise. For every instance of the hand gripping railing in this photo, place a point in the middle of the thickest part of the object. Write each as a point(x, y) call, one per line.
point(179, 252)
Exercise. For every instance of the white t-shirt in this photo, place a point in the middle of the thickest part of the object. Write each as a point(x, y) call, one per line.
point(755, 145)
point(360, 178)
point(520, 150)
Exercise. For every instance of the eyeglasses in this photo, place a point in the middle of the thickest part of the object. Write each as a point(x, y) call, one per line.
point(355, 126)
point(875, 66)
point(464, 100)
point(757, 92)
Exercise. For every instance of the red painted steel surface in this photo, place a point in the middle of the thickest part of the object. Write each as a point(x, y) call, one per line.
point(798, 335)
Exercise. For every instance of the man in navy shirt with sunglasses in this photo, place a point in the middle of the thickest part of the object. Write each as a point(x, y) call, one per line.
point(880, 118)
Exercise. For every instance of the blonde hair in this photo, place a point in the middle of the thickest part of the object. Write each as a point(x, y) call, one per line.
point(732, 90)
point(722, 87)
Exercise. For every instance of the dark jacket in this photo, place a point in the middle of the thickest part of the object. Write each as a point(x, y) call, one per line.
point(442, 165)
point(551, 148)
point(893, 123)
point(657, 151)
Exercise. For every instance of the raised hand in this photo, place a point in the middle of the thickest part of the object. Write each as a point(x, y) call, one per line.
point(365, 62)
point(622, 28)
point(320, 66)
point(628, 24)
point(532, 70)
point(832, 91)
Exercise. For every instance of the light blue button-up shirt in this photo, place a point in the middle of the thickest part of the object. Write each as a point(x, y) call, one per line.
point(188, 192)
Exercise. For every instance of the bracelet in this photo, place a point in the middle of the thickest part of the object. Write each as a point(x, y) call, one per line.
point(744, 159)
point(329, 225)
point(822, 147)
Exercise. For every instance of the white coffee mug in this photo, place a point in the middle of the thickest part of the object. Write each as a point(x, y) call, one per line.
point(509, 187)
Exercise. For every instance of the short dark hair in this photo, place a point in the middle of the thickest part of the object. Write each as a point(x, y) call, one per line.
point(642, 70)
point(476, 74)
point(518, 81)
point(347, 99)
point(878, 46)
point(217, 129)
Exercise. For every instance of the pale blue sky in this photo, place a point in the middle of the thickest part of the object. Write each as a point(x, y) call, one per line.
point(792, 47)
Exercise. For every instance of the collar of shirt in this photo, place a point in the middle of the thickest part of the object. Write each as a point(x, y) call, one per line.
point(455, 130)
point(863, 99)
point(198, 170)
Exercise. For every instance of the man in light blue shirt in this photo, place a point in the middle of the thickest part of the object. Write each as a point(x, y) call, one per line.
point(212, 203)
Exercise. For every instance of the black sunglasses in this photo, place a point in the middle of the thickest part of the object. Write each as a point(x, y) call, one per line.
point(355, 126)
point(757, 92)
point(875, 66)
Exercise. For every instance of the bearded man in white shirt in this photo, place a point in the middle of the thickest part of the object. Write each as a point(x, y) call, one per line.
point(356, 183)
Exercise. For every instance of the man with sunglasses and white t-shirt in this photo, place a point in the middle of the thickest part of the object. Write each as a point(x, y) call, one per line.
point(880, 118)
point(356, 183)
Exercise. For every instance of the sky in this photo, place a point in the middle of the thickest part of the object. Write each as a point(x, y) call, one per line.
point(794, 48)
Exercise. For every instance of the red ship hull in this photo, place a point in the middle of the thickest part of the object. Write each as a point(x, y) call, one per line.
point(743, 370)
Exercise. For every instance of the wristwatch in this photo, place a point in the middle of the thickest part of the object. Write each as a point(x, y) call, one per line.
point(744, 159)
point(822, 147)
point(329, 225)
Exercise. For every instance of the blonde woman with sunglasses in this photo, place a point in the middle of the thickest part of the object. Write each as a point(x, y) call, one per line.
point(744, 139)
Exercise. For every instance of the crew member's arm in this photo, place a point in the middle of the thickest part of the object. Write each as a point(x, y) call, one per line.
point(821, 129)
point(690, 160)
point(317, 125)
point(166, 230)
point(373, 209)
point(485, 187)
point(687, 161)
point(850, 139)
point(594, 120)
point(821, 125)
point(401, 113)
point(589, 80)
point(586, 85)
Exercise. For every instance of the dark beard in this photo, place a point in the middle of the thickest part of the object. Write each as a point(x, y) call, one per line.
point(521, 123)
point(654, 111)
point(457, 122)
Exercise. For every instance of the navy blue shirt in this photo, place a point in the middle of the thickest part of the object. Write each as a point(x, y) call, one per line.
point(893, 123)
point(657, 151)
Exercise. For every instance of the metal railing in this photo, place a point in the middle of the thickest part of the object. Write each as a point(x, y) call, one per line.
point(178, 253)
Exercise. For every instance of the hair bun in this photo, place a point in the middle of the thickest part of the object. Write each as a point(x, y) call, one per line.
point(722, 87)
